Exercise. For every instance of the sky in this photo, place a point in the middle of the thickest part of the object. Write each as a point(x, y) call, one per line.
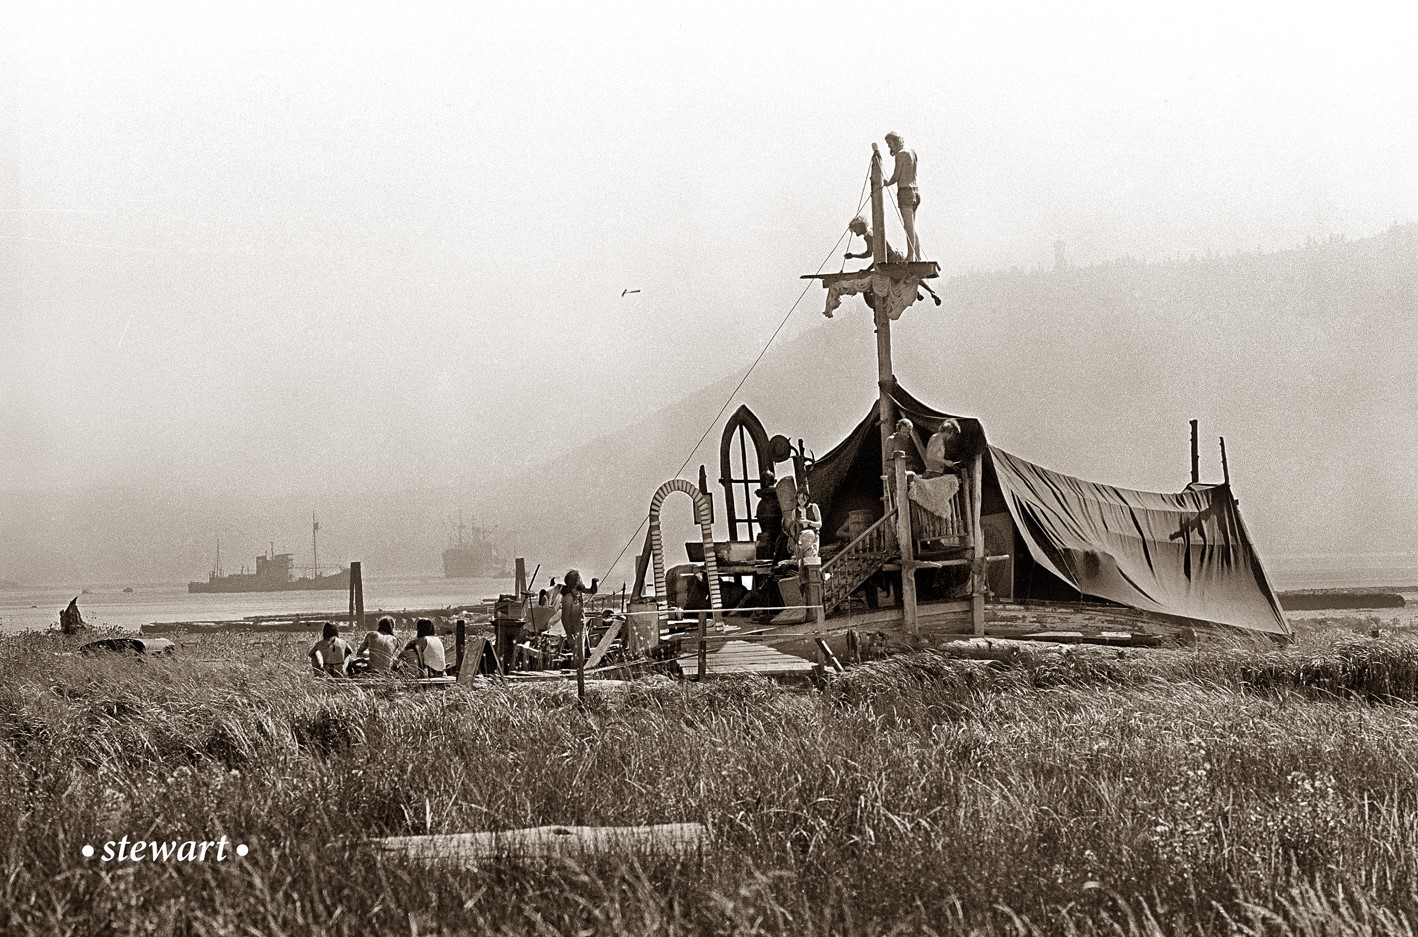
point(303, 247)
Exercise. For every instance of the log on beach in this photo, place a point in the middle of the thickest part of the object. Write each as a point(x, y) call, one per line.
point(548, 842)
point(404, 618)
point(1314, 600)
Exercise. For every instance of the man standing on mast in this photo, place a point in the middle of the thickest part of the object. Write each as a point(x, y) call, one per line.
point(908, 197)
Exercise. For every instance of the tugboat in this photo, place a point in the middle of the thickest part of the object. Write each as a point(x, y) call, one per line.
point(274, 573)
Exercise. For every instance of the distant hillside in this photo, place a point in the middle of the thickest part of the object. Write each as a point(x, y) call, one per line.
point(1303, 359)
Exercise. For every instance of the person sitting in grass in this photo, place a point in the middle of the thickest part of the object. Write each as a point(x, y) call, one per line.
point(378, 651)
point(331, 654)
point(425, 651)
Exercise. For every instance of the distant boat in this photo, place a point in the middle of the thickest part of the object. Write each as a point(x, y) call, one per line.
point(473, 557)
point(275, 572)
point(127, 588)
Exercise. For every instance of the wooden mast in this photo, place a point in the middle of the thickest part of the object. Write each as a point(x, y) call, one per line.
point(893, 466)
point(885, 378)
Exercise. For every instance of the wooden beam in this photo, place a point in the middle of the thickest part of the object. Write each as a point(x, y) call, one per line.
point(548, 843)
point(977, 542)
point(905, 542)
point(885, 376)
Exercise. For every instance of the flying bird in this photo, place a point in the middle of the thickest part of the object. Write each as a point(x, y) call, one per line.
point(624, 293)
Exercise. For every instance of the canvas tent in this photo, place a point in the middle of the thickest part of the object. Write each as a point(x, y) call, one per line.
point(1185, 555)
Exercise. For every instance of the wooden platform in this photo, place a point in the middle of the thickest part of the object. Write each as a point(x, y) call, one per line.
point(734, 656)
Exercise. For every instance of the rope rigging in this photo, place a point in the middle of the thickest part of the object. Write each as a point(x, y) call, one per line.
point(846, 233)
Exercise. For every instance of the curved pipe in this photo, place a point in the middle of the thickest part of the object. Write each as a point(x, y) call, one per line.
point(706, 530)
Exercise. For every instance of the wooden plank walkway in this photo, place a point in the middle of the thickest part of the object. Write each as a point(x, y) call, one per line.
point(734, 656)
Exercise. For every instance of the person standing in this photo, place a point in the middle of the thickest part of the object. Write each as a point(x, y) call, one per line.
point(572, 611)
point(908, 196)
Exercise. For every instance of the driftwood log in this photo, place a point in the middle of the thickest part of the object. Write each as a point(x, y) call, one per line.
point(548, 842)
point(70, 621)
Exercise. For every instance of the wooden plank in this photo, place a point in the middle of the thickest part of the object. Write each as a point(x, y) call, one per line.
point(977, 541)
point(604, 645)
point(905, 542)
point(547, 843)
point(742, 657)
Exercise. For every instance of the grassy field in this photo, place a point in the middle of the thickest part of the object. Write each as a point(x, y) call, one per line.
point(1243, 790)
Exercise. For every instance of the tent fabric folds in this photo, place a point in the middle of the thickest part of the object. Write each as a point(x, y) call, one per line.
point(1183, 554)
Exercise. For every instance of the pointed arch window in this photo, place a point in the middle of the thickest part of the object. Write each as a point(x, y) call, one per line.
point(743, 458)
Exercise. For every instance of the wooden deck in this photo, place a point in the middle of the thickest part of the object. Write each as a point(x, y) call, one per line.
point(736, 656)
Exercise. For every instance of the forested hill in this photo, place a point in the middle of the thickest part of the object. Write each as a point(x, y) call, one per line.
point(1303, 359)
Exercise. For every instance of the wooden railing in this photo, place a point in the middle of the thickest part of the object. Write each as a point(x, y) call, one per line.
point(845, 572)
point(933, 532)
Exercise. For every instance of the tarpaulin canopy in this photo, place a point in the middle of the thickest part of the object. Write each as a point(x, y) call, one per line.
point(1186, 555)
point(1183, 554)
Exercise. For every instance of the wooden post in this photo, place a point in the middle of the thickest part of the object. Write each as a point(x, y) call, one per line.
point(1225, 469)
point(905, 542)
point(1196, 457)
point(704, 490)
point(356, 596)
point(580, 652)
point(521, 578)
point(977, 545)
point(812, 591)
point(703, 645)
point(357, 571)
point(878, 210)
point(460, 629)
point(885, 377)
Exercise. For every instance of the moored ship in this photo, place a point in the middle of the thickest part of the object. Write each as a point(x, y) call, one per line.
point(473, 557)
point(275, 572)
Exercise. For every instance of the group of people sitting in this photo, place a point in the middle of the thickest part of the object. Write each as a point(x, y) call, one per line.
point(379, 652)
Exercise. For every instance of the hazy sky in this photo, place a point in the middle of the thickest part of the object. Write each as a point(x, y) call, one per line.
point(355, 244)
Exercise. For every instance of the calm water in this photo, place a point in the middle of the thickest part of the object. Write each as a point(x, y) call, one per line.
point(24, 609)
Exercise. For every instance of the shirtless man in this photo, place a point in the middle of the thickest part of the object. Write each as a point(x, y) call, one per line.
point(908, 197)
point(860, 228)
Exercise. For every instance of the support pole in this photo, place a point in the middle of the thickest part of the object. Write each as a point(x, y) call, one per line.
point(977, 545)
point(812, 591)
point(703, 645)
point(878, 209)
point(580, 651)
point(356, 596)
point(885, 376)
point(1225, 469)
point(905, 542)
point(1196, 457)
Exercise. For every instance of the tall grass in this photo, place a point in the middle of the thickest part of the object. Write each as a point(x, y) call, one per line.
point(1251, 791)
